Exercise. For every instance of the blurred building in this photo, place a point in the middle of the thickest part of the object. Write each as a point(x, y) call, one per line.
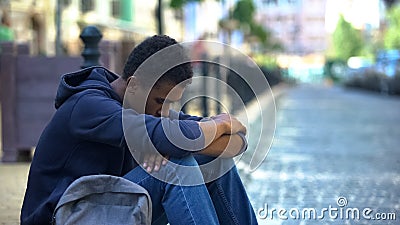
point(201, 20)
point(298, 24)
point(34, 21)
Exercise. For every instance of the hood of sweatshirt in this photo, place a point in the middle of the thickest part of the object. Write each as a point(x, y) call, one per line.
point(96, 77)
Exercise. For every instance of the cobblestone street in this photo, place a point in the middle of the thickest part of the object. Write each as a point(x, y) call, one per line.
point(330, 143)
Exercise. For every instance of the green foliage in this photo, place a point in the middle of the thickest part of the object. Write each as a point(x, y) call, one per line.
point(244, 11)
point(347, 41)
point(392, 35)
point(267, 61)
point(176, 4)
point(259, 31)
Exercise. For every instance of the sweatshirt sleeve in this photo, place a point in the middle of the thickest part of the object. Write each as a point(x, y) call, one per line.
point(182, 116)
point(96, 117)
point(176, 138)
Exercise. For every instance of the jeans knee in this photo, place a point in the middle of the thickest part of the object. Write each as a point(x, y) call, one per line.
point(185, 161)
point(184, 172)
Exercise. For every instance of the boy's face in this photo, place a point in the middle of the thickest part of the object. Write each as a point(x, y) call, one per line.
point(158, 101)
point(161, 98)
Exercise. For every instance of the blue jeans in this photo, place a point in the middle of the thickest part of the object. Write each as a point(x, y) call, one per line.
point(222, 201)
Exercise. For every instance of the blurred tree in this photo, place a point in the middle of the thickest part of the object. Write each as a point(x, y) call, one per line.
point(392, 34)
point(241, 18)
point(347, 41)
point(390, 3)
point(176, 4)
point(243, 13)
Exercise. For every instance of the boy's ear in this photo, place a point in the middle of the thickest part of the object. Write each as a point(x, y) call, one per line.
point(132, 84)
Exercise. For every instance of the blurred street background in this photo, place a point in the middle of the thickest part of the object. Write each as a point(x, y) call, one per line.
point(330, 143)
point(333, 65)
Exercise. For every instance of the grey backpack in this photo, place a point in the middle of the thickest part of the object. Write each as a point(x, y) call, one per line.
point(103, 199)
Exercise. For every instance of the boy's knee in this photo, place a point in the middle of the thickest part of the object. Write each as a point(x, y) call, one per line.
point(183, 171)
point(185, 161)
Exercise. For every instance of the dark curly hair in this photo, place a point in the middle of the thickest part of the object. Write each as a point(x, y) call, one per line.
point(151, 45)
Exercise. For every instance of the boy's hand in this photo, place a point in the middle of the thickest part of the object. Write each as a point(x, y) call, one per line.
point(232, 124)
point(154, 161)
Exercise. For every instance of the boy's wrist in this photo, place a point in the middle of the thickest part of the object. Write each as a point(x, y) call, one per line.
point(223, 127)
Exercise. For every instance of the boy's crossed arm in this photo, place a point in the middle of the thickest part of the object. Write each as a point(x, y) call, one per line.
point(223, 135)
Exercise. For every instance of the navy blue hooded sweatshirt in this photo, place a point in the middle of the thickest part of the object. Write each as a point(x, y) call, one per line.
point(84, 137)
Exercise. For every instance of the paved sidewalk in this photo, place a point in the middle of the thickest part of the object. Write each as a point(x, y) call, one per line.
point(330, 143)
point(12, 188)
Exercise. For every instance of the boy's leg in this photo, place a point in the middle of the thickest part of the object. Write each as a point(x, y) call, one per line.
point(176, 204)
point(227, 192)
point(153, 187)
